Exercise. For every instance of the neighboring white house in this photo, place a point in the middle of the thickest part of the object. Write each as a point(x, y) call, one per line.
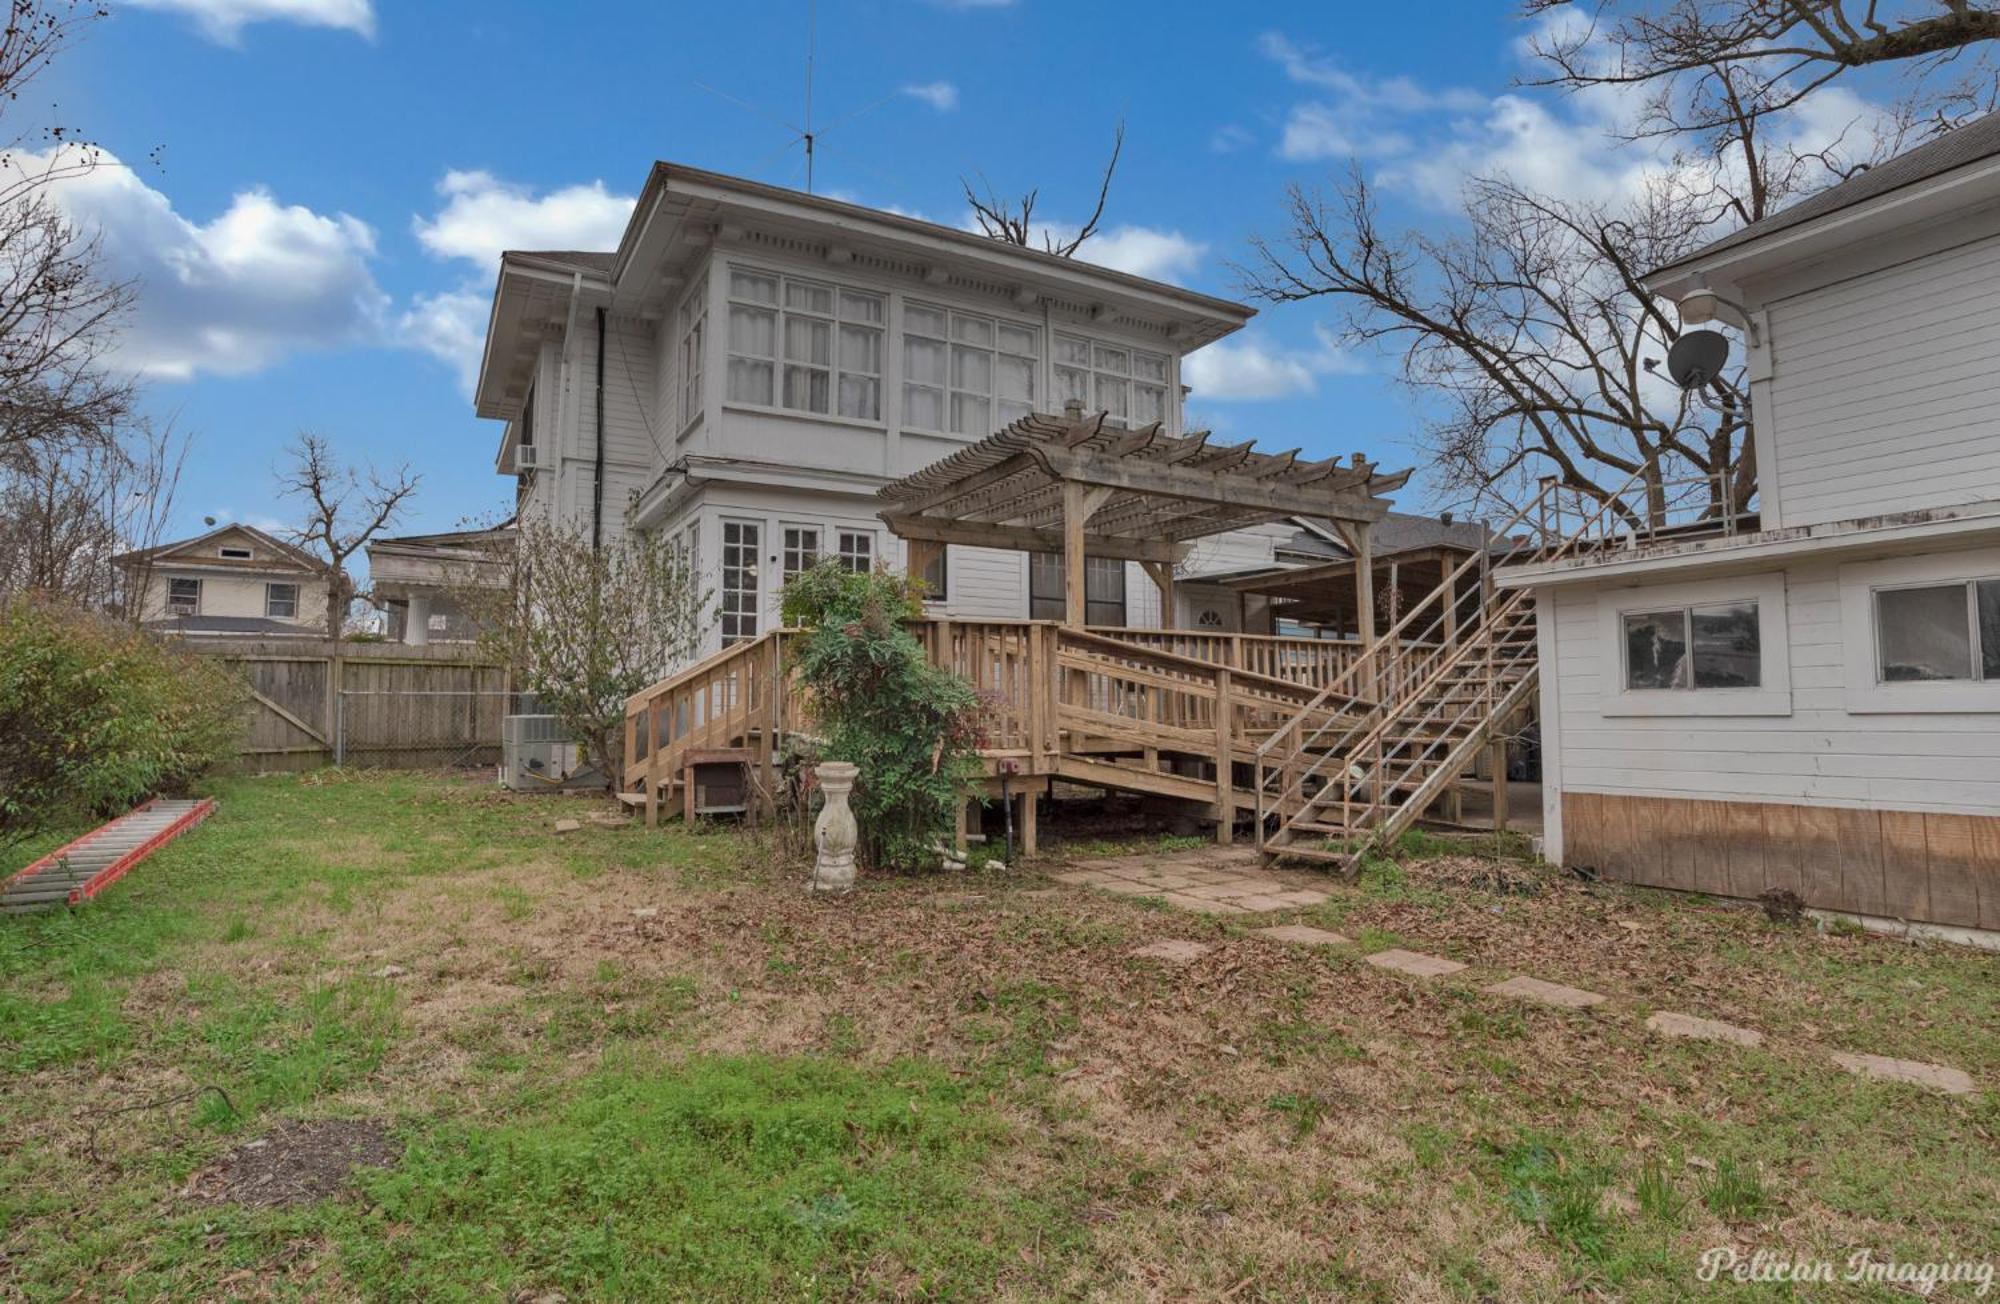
point(1814, 706)
point(234, 581)
point(418, 580)
point(751, 364)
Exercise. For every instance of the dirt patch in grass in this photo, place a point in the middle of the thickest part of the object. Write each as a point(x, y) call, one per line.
point(295, 1163)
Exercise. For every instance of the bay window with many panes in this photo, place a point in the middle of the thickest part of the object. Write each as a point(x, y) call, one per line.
point(1128, 384)
point(965, 373)
point(805, 346)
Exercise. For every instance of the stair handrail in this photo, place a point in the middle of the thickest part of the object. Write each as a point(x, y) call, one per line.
point(702, 666)
point(1447, 596)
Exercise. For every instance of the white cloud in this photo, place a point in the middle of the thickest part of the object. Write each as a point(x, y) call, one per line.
point(1229, 138)
point(940, 95)
point(1322, 131)
point(450, 326)
point(1247, 368)
point(1144, 251)
point(223, 21)
point(1308, 67)
point(231, 295)
point(483, 215)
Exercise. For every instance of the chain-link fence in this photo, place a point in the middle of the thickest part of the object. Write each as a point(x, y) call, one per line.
point(421, 728)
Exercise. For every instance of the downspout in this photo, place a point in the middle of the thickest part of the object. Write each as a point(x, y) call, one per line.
point(597, 483)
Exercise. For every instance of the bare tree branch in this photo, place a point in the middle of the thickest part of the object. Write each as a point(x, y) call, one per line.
point(1013, 223)
point(344, 510)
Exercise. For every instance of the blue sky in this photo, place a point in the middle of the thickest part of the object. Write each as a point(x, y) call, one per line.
point(315, 240)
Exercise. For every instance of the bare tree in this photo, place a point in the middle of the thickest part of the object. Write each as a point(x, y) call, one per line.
point(77, 523)
point(1013, 221)
point(1530, 333)
point(58, 316)
point(583, 627)
point(1713, 62)
point(345, 508)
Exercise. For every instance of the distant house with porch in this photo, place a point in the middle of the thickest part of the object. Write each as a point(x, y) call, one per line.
point(235, 581)
point(1812, 703)
point(420, 581)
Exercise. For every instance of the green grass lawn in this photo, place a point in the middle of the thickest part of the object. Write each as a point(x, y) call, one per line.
point(632, 1064)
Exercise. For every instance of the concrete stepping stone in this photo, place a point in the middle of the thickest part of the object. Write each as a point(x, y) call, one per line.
point(1953, 1082)
point(1203, 905)
point(1302, 935)
point(1174, 951)
point(1669, 1024)
point(1414, 963)
point(1534, 989)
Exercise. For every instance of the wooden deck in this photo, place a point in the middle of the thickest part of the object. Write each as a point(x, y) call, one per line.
point(1168, 713)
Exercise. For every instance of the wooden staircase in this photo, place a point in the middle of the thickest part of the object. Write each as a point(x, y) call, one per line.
point(1336, 798)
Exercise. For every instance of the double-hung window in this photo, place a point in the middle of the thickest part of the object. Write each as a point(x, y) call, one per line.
point(801, 551)
point(805, 346)
point(964, 373)
point(281, 601)
point(694, 349)
point(857, 551)
point(1130, 385)
point(1714, 645)
point(741, 543)
point(1938, 631)
point(1103, 589)
point(183, 597)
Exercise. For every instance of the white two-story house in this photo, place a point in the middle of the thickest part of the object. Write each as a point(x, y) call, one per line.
point(751, 364)
point(235, 581)
point(1813, 706)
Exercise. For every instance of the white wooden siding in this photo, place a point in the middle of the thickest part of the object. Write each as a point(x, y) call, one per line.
point(1819, 754)
point(1883, 388)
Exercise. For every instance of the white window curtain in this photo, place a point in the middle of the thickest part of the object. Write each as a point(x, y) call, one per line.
point(966, 374)
point(782, 346)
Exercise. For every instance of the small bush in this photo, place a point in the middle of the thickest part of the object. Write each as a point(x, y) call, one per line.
point(95, 716)
point(911, 727)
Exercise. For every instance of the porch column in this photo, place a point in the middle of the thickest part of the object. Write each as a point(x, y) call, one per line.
point(417, 620)
point(1080, 502)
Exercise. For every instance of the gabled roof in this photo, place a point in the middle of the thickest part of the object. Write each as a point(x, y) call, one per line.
point(167, 551)
point(1973, 143)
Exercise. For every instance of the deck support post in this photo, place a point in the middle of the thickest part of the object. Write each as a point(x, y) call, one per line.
point(1026, 823)
point(1500, 798)
point(1225, 759)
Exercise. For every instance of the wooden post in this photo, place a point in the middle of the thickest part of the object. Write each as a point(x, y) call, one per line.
point(1225, 763)
point(958, 839)
point(1364, 604)
point(652, 725)
point(1074, 608)
point(1029, 842)
point(1500, 798)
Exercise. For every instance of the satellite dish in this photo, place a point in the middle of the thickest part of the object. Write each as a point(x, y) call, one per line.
point(1697, 357)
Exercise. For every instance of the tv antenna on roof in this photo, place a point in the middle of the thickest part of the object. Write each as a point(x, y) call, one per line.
point(802, 134)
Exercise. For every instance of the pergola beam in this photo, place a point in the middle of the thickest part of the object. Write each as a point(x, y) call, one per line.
point(1019, 538)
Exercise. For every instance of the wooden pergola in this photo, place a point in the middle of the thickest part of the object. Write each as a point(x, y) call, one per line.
point(1081, 487)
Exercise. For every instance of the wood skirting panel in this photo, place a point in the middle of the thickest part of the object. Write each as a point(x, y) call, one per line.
point(1899, 864)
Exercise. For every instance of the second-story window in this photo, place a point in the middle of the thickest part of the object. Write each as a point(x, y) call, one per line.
point(694, 348)
point(964, 373)
point(183, 597)
point(281, 601)
point(805, 346)
point(1128, 384)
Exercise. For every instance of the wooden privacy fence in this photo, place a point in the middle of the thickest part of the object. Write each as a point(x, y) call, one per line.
point(317, 703)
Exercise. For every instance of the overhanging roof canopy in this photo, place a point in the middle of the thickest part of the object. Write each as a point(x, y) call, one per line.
point(1148, 491)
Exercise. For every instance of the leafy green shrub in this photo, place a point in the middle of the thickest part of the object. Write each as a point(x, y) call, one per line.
point(911, 727)
point(95, 716)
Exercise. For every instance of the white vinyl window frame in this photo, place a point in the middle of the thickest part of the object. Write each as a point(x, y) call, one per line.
point(1860, 585)
point(799, 344)
point(183, 596)
point(1772, 696)
point(281, 600)
point(966, 373)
